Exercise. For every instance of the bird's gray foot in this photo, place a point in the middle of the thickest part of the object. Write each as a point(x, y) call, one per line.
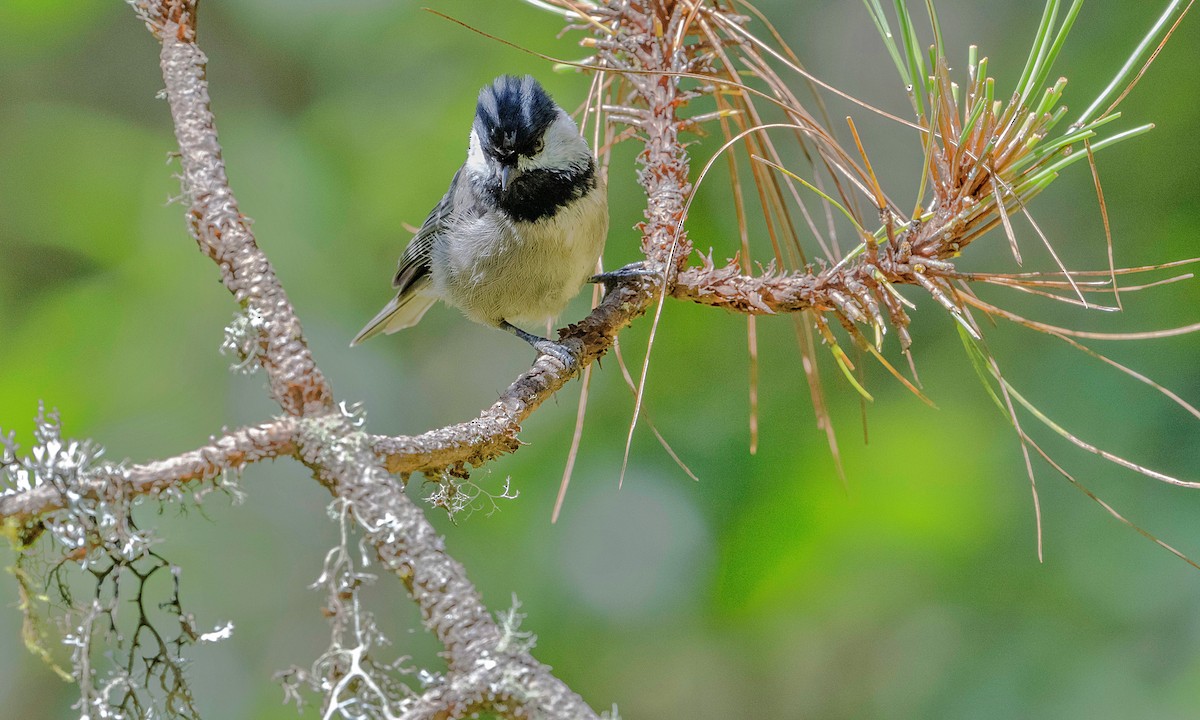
point(558, 351)
point(632, 271)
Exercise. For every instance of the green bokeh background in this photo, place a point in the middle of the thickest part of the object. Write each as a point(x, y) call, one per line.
point(764, 590)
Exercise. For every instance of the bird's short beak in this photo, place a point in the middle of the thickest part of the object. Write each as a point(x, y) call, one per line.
point(504, 172)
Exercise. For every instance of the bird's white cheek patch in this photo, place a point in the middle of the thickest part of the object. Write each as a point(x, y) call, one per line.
point(475, 159)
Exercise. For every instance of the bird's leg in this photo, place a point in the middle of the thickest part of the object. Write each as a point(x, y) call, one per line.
point(558, 351)
point(632, 271)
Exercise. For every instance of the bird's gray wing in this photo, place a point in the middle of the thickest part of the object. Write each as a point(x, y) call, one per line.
point(414, 263)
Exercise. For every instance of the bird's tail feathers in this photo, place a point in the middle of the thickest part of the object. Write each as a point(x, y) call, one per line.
point(404, 310)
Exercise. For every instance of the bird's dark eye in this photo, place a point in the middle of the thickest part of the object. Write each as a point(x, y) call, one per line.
point(538, 147)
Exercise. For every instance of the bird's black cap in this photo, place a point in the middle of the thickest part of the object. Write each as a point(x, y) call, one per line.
point(511, 116)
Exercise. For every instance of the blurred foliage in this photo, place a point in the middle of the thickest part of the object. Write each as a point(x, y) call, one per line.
point(913, 592)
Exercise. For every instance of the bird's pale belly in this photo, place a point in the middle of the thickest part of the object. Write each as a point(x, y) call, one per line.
point(530, 273)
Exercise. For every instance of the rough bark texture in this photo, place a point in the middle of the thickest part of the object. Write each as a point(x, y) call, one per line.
point(644, 41)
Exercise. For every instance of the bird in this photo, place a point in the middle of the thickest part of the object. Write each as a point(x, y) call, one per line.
point(520, 229)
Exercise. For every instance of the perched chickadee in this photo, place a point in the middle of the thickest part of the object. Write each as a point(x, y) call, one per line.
point(519, 230)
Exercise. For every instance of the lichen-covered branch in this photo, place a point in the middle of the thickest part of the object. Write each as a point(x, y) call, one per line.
point(489, 665)
point(216, 222)
point(231, 451)
point(447, 701)
point(494, 432)
point(328, 439)
point(487, 670)
point(979, 174)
